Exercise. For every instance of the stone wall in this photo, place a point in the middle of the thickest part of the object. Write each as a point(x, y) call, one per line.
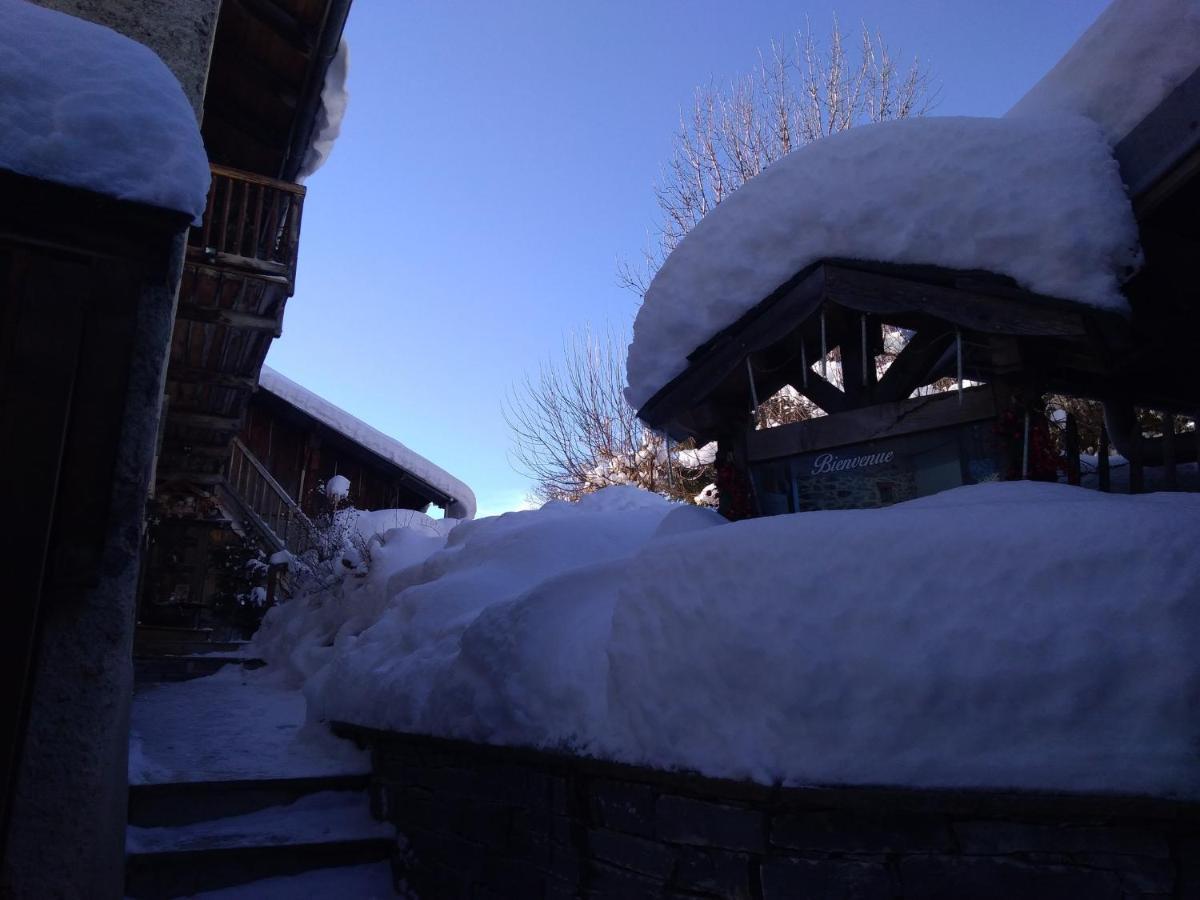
point(480, 821)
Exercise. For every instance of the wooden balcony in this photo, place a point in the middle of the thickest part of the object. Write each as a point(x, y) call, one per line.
point(251, 226)
point(238, 274)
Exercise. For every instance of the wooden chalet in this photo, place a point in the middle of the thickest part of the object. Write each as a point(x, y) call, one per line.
point(886, 437)
point(261, 112)
point(269, 63)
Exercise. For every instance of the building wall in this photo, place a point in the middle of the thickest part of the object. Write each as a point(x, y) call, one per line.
point(181, 32)
point(490, 821)
point(66, 819)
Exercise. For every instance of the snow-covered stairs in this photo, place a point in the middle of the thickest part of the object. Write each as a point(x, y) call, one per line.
point(230, 791)
point(324, 823)
point(177, 654)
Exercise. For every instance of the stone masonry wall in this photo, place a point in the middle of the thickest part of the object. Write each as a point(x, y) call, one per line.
point(481, 821)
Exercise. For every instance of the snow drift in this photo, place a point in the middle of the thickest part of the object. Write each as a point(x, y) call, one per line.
point(86, 107)
point(1123, 66)
point(1012, 635)
point(1038, 199)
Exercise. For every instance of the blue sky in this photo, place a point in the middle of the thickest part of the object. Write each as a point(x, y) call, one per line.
point(498, 160)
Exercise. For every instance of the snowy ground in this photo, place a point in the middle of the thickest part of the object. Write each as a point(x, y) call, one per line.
point(232, 725)
point(1009, 635)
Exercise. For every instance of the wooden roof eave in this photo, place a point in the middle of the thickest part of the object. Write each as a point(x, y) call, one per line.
point(974, 301)
point(403, 476)
point(1163, 150)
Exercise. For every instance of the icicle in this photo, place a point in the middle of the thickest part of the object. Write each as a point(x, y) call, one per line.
point(824, 349)
point(1025, 450)
point(958, 347)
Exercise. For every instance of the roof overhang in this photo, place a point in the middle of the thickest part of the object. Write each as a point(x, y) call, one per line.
point(824, 306)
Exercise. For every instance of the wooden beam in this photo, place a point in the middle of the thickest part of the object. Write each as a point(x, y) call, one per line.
point(912, 365)
point(282, 22)
point(870, 423)
point(205, 478)
point(244, 321)
point(972, 309)
point(196, 375)
point(822, 393)
point(204, 420)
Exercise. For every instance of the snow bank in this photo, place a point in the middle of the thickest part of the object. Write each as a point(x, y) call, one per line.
point(86, 107)
point(1123, 66)
point(463, 499)
point(334, 100)
point(1013, 635)
point(1038, 199)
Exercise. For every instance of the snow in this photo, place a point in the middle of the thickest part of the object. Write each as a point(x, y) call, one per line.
point(363, 882)
point(84, 106)
point(1038, 199)
point(316, 818)
point(463, 499)
point(1013, 635)
point(334, 100)
point(232, 725)
point(698, 458)
point(1123, 66)
point(337, 488)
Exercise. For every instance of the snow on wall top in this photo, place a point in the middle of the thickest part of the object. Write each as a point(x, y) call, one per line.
point(1038, 199)
point(84, 106)
point(1123, 66)
point(463, 505)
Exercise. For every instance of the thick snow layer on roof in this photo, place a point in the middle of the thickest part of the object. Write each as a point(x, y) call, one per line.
point(372, 439)
point(1013, 635)
point(1037, 199)
point(86, 107)
point(1123, 66)
point(334, 100)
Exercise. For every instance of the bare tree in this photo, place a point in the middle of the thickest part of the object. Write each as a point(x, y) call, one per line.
point(573, 432)
point(800, 91)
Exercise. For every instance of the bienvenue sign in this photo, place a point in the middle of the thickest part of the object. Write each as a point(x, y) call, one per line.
point(827, 462)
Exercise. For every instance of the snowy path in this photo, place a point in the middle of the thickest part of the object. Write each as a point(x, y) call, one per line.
point(229, 726)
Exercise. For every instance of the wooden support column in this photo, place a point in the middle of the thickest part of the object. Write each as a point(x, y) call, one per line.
point(1072, 448)
point(1170, 476)
point(1102, 471)
point(1137, 471)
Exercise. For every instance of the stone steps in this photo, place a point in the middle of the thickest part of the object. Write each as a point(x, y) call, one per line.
point(183, 803)
point(321, 827)
point(157, 668)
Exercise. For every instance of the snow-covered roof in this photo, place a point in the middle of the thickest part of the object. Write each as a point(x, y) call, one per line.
point(84, 106)
point(1131, 57)
point(463, 505)
point(1038, 199)
point(334, 100)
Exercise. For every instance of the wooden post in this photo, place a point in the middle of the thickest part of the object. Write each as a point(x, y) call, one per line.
point(1137, 472)
point(1105, 478)
point(1170, 477)
point(1072, 448)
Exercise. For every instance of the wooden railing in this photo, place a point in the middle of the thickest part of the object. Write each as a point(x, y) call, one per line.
point(251, 225)
point(266, 502)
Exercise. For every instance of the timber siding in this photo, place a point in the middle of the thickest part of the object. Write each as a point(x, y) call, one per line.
point(483, 821)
